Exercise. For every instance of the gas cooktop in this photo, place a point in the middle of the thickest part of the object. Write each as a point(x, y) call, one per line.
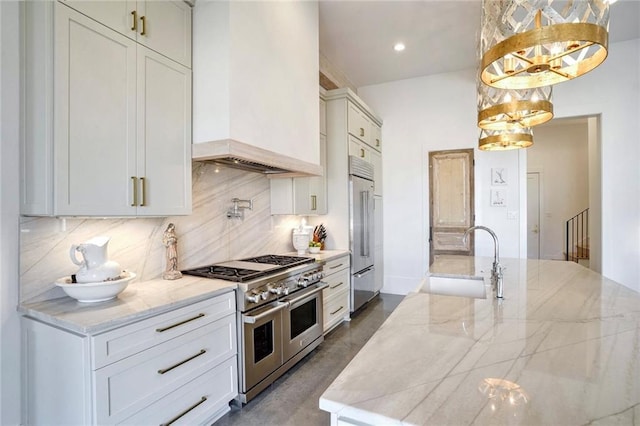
point(249, 269)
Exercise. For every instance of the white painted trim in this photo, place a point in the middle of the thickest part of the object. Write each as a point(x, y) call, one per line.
point(10, 135)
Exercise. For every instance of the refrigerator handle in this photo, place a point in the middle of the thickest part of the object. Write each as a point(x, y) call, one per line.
point(364, 211)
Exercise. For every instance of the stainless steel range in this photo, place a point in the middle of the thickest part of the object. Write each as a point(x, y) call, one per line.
point(279, 305)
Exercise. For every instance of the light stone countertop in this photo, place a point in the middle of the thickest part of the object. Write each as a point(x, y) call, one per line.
point(323, 255)
point(138, 301)
point(562, 348)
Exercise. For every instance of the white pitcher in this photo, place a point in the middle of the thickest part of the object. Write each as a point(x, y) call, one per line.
point(94, 266)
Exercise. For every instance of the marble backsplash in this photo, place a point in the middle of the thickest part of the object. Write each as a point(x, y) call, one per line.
point(204, 237)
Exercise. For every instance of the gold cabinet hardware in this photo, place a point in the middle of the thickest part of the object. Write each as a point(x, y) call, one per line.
point(134, 182)
point(336, 286)
point(337, 310)
point(361, 152)
point(361, 131)
point(314, 202)
point(337, 266)
point(176, 418)
point(160, 330)
point(184, 361)
point(144, 25)
point(144, 192)
point(377, 142)
point(134, 24)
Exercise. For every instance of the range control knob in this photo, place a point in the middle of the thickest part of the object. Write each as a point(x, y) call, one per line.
point(264, 295)
point(253, 298)
point(276, 290)
point(303, 281)
point(285, 290)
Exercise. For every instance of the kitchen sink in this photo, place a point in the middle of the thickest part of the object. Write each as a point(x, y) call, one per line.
point(454, 285)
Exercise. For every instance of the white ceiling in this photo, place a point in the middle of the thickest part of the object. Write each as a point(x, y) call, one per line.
point(357, 37)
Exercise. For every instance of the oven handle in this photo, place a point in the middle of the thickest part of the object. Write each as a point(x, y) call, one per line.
point(321, 286)
point(252, 319)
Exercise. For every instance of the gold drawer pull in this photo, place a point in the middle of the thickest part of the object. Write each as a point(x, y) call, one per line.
point(361, 152)
point(134, 26)
point(134, 182)
point(361, 131)
point(377, 142)
point(144, 25)
point(337, 266)
point(166, 370)
point(160, 330)
point(337, 310)
point(337, 285)
point(314, 202)
point(176, 418)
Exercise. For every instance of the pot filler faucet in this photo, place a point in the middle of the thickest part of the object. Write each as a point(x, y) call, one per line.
point(496, 270)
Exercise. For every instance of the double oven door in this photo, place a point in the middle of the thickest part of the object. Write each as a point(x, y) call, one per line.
point(275, 333)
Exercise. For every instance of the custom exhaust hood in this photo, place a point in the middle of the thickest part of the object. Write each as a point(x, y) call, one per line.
point(239, 155)
point(255, 88)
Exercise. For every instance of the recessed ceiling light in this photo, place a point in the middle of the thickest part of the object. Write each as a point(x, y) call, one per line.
point(398, 47)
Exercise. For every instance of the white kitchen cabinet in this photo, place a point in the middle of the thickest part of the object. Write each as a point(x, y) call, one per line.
point(359, 149)
point(180, 365)
point(344, 108)
point(303, 195)
point(108, 121)
point(164, 26)
point(336, 295)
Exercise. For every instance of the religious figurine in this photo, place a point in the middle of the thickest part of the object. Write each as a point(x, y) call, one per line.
point(170, 241)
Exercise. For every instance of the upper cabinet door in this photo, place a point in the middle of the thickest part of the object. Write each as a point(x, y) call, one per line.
point(120, 16)
point(164, 26)
point(164, 135)
point(95, 117)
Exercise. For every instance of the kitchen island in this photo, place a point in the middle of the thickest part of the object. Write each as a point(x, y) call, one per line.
point(562, 347)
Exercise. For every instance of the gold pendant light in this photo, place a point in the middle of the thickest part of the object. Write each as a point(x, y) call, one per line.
point(534, 43)
point(500, 109)
point(502, 140)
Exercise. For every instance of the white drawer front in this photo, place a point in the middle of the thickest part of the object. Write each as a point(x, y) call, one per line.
point(125, 387)
point(336, 265)
point(338, 282)
point(335, 310)
point(200, 401)
point(131, 339)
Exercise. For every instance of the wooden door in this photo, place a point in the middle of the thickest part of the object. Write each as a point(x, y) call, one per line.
point(451, 189)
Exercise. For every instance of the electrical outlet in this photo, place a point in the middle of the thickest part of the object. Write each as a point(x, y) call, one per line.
point(512, 214)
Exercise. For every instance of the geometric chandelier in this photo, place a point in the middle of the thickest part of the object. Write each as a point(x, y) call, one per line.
point(501, 140)
point(501, 109)
point(535, 43)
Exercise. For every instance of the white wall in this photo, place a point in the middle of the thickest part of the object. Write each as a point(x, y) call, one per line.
point(439, 112)
point(560, 154)
point(428, 114)
point(10, 387)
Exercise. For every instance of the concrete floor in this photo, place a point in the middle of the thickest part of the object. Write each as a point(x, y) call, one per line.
point(293, 398)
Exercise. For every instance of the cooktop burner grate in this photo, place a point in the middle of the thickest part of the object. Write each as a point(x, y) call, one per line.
point(276, 259)
point(242, 275)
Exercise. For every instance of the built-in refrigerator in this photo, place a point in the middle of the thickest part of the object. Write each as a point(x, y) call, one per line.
point(361, 232)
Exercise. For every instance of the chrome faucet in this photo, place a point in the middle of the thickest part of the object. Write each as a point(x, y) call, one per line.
point(496, 270)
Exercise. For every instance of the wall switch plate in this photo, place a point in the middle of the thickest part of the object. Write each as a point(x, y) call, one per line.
point(512, 214)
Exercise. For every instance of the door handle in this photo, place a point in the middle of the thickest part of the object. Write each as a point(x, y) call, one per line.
point(252, 319)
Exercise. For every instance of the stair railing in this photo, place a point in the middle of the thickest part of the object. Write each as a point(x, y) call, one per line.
point(577, 232)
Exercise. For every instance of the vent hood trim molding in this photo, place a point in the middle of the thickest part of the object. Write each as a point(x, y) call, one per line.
point(232, 153)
